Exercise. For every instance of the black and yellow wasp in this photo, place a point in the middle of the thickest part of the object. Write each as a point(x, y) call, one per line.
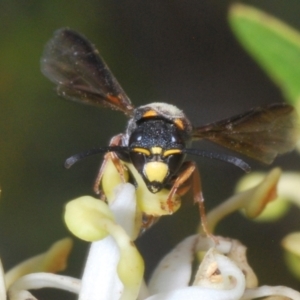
point(151, 152)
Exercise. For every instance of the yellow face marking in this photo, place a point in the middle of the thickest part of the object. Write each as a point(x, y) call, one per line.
point(142, 150)
point(156, 171)
point(172, 151)
point(156, 150)
point(150, 113)
point(179, 123)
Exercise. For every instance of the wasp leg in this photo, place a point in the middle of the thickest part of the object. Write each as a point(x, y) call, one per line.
point(189, 177)
point(115, 141)
point(148, 221)
point(183, 178)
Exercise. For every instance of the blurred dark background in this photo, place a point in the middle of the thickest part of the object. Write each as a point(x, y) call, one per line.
point(180, 52)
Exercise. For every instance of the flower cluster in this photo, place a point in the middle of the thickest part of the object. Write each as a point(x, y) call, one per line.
point(288, 191)
point(114, 267)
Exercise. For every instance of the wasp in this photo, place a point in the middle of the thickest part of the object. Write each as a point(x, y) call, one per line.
point(152, 151)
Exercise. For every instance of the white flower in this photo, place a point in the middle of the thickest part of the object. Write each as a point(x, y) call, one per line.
point(114, 267)
point(27, 275)
point(288, 193)
point(220, 274)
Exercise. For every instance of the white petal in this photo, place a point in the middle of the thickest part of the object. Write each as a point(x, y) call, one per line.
point(52, 261)
point(124, 209)
point(174, 270)
point(21, 295)
point(194, 293)
point(2, 283)
point(227, 269)
point(45, 280)
point(100, 279)
point(265, 291)
point(144, 292)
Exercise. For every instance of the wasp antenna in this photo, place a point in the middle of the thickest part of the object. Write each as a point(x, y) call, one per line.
point(77, 157)
point(227, 158)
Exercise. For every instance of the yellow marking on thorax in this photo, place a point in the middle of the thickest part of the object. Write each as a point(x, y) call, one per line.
point(179, 123)
point(156, 171)
point(150, 113)
point(172, 151)
point(156, 150)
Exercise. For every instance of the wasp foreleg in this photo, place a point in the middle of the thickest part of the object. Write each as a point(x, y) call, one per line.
point(189, 177)
point(115, 141)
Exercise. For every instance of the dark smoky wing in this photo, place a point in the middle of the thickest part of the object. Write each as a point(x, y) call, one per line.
point(261, 133)
point(74, 64)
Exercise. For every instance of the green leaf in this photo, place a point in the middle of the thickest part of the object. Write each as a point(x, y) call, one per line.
point(273, 44)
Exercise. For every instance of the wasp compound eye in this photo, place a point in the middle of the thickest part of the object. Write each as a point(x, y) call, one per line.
point(138, 160)
point(174, 162)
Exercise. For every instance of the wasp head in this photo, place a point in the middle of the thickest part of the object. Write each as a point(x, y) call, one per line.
point(156, 151)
